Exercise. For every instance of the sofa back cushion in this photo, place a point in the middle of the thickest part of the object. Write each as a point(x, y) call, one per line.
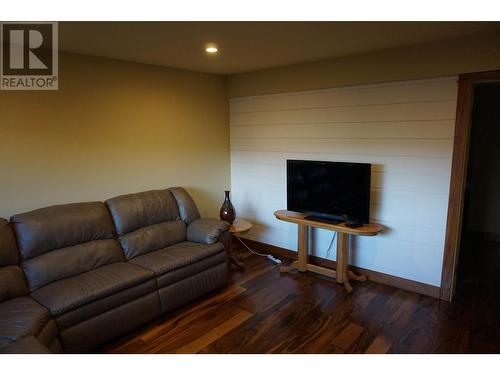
point(146, 221)
point(12, 282)
point(63, 241)
point(9, 255)
point(70, 261)
point(55, 227)
point(187, 207)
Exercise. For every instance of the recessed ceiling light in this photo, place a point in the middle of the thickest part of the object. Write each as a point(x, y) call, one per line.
point(211, 49)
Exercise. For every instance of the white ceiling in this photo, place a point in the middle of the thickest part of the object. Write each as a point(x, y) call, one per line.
point(248, 46)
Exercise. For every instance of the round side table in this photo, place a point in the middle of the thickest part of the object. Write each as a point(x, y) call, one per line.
point(239, 226)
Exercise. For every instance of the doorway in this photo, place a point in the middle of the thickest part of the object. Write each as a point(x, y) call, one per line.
point(473, 228)
point(478, 270)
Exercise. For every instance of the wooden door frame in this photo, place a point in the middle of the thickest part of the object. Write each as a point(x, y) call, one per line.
point(466, 85)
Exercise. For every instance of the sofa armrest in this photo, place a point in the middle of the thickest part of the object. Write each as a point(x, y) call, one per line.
point(207, 231)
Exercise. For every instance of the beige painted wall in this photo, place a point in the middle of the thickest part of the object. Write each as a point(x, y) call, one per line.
point(113, 128)
point(472, 54)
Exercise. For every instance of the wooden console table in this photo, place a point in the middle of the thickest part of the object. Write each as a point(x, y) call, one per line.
point(342, 274)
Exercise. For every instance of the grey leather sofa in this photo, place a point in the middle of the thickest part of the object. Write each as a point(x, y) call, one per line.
point(82, 274)
point(20, 315)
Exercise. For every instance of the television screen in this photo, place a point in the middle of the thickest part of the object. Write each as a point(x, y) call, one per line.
point(331, 189)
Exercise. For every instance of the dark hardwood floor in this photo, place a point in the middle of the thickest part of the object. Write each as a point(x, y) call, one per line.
point(262, 311)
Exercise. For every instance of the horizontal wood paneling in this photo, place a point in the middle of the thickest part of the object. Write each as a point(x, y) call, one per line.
point(404, 129)
point(409, 91)
point(380, 163)
point(430, 111)
point(380, 180)
point(440, 129)
point(396, 147)
point(265, 203)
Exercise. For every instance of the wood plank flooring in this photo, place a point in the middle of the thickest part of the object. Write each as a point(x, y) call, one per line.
point(262, 311)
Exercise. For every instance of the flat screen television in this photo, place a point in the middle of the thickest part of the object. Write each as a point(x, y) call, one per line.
point(329, 191)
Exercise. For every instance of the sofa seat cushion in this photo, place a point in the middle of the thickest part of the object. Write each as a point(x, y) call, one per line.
point(27, 345)
point(176, 256)
point(102, 305)
point(68, 294)
point(21, 317)
point(195, 268)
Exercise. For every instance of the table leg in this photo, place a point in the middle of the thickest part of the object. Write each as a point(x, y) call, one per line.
point(341, 245)
point(232, 257)
point(343, 261)
point(303, 247)
point(352, 276)
point(302, 251)
point(342, 274)
point(291, 267)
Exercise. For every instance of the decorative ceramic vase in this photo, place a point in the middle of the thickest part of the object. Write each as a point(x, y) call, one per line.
point(227, 212)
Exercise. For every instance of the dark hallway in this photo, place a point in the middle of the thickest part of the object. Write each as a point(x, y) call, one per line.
point(478, 276)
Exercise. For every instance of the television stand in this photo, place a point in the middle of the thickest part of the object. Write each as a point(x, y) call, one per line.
point(342, 273)
point(323, 219)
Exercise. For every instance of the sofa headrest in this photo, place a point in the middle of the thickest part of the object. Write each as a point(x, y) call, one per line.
point(56, 227)
point(187, 208)
point(9, 255)
point(134, 211)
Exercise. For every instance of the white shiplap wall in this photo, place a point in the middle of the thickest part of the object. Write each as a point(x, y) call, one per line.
point(405, 129)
